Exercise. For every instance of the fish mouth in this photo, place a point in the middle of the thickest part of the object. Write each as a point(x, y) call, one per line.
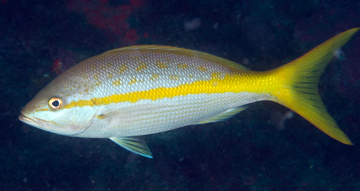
point(33, 121)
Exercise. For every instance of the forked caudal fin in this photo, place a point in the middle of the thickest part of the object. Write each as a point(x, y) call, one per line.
point(300, 79)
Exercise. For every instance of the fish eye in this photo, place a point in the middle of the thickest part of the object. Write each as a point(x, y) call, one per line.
point(55, 103)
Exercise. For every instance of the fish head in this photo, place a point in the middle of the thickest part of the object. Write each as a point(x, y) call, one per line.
point(57, 107)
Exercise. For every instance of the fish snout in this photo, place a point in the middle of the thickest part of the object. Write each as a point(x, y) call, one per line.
point(28, 119)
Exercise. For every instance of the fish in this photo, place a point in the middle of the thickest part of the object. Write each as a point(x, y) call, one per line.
point(140, 90)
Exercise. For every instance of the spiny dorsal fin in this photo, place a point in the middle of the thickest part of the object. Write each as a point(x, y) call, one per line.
point(183, 51)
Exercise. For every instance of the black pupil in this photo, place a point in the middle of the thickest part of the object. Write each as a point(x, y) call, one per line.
point(55, 103)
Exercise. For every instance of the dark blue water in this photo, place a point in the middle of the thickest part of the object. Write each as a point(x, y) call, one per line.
point(254, 150)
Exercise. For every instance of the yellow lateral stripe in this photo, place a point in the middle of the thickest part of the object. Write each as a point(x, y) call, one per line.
point(251, 82)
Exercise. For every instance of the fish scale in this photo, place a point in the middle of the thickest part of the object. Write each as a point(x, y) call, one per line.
point(133, 80)
point(143, 90)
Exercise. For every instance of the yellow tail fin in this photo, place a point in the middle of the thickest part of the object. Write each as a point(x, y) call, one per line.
point(300, 80)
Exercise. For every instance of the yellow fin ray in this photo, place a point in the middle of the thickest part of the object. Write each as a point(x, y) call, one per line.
point(300, 80)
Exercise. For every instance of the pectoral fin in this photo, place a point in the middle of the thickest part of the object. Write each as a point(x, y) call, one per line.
point(225, 115)
point(135, 145)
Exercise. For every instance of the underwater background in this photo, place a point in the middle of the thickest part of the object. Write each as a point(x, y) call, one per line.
point(264, 148)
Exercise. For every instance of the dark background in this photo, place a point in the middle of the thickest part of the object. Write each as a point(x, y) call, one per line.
point(251, 151)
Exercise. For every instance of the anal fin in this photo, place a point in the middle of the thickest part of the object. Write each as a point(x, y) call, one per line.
point(135, 145)
point(225, 115)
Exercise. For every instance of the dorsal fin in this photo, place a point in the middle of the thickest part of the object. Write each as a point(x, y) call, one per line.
point(183, 51)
